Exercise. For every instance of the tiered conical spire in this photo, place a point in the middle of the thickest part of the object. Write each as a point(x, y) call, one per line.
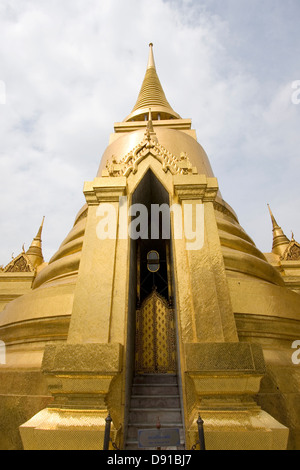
point(280, 240)
point(34, 252)
point(152, 96)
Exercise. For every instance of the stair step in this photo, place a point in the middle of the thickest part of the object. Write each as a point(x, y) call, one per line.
point(150, 415)
point(160, 389)
point(132, 444)
point(136, 447)
point(133, 429)
point(155, 379)
point(154, 396)
point(153, 401)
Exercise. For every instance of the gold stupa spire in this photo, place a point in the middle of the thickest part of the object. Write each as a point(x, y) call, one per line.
point(34, 253)
point(152, 96)
point(280, 240)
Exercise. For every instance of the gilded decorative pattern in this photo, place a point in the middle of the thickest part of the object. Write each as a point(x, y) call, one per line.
point(19, 265)
point(155, 337)
point(293, 252)
point(176, 165)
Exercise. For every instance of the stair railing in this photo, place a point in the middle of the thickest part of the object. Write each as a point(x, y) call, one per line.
point(201, 440)
point(107, 438)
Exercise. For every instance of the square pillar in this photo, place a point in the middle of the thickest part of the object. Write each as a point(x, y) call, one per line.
point(221, 376)
point(93, 299)
point(205, 309)
point(85, 375)
point(80, 377)
point(223, 379)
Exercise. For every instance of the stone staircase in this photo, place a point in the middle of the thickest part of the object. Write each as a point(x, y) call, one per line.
point(154, 396)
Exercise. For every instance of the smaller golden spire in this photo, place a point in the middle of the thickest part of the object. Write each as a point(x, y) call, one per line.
point(280, 240)
point(34, 252)
point(152, 96)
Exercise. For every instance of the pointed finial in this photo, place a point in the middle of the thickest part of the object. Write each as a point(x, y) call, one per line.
point(39, 234)
point(34, 252)
point(280, 240)
point(151, 62)
point(274, 223)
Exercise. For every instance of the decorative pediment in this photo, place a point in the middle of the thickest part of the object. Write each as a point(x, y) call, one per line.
point(150, 146)
point(20, 264)
point(292, 253)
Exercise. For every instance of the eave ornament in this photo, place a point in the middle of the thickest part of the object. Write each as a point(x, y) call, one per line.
point(149, 146)
point(20, 264)
point(292, 253)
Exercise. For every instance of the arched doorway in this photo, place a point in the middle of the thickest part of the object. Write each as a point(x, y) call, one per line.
point(155, 333)
point(152, 359)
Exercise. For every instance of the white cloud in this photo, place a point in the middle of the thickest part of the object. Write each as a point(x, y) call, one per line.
point(73, 68)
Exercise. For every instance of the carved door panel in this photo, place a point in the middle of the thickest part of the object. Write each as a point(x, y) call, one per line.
point(155, 337)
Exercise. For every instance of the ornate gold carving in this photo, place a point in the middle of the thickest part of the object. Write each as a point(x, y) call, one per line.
point(20, 264)
point(155, 337)
point(149, 145)
point(292, 252)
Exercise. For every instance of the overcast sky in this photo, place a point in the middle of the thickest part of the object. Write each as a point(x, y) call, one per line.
point(70, 69)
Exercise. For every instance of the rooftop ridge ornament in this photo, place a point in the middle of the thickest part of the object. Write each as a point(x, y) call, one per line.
point(292, 252)
point(19, 264)
point(149, 146)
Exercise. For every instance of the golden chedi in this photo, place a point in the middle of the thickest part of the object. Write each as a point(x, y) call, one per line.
point(155, 319)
